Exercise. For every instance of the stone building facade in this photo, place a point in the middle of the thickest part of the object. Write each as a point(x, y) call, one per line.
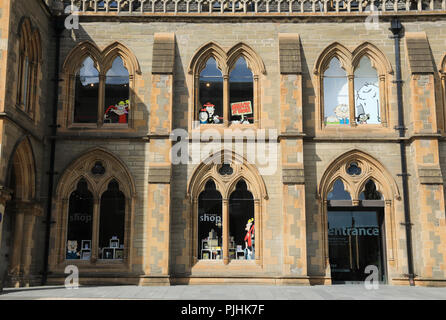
point(325, 192)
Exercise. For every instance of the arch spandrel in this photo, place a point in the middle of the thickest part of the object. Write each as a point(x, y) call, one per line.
point(372, 169)
point(242, 169)
point(81, 166)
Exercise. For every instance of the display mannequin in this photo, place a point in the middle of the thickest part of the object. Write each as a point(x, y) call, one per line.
point(249, 240)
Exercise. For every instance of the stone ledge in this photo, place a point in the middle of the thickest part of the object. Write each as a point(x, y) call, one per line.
point(293, 176)
point(160, 174)
point(430, 176)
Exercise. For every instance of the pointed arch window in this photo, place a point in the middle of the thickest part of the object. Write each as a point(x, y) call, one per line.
point(210, 219)
point(241, 223)
point(370, 192)
point(336, 94)
point(86, 93)
point(100, 87)
point(353, 87)
point(117, 93)
point(367, 97)
point(211, 93)
point(80, 223)
point(112, 223)
point(241, 93)
point(28, 68)
point(226, 86)
point(338, 192)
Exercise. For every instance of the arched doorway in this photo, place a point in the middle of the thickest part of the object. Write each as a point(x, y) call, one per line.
point(20, 218)
point(357, 196)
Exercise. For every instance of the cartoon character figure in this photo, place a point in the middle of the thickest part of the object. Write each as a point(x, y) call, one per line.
point(249, 240)
point(342, 113)
point(118, 113)
point(210, 109)
point(203, 116)
point(72, 252)
point(367, 103)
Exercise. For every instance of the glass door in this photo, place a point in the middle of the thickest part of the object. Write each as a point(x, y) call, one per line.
point(355, 239)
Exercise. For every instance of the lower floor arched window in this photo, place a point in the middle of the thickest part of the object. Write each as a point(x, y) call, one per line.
point(80, 222)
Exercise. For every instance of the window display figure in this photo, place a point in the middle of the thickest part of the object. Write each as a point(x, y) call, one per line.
point(249, 240)
point(118, 113)
point(72, 252)
point(206, 114)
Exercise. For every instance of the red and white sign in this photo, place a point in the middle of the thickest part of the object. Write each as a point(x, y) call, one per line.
point(241, 108)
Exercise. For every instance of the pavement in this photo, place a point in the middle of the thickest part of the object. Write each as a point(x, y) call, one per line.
point(225, 292)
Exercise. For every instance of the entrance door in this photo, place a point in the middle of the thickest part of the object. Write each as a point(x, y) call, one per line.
point(355, 239)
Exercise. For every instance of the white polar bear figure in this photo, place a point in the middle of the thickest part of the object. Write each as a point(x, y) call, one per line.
point(367, 103)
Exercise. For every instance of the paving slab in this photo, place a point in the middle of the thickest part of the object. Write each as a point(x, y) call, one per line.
point(227, 292)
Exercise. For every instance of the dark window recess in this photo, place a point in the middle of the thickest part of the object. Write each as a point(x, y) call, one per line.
point(86, 93)
point(241, 223)
point(353, 169)
point(225, 170)
point(98, 168)
point(112, 222)
point(241, 93)
point(210, 108)
point(210, 219)
point(370, 192)
point(80, 220)
point(117, 103)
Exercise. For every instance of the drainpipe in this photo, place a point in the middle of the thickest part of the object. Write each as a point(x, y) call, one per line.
point(58, 25)
point(396, 28)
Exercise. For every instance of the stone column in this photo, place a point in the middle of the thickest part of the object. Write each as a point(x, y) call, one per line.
point(157, 239)
point(291, 144)
point(5, 196)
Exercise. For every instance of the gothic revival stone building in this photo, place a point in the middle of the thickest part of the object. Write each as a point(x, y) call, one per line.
point(330, 165)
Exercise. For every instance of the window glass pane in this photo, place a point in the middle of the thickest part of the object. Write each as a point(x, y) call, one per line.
point(241, 93)
point(241, 224)
point(111, 223)
point(338, 192)
point(117, 102)
point(25, 82)
point(210, 109)
point(210, 242)
point(87, 93)
point(366, 93)
point(355, 242)
point(336, 105)
point(80, 222)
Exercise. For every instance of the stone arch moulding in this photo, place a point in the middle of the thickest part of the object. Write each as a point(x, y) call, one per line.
point(103, 60)
point(242, 169)
point(372, 169)
point(349, 61)
point(200, 57)
point(375, 171)
point(81, 168)
point(208, 169)
point(23, 163)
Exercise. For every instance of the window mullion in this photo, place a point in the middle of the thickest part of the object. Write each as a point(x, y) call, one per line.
point(225, 231)
point(351, 96)
point(95, 231)
point(101, 100)
point(226, 100)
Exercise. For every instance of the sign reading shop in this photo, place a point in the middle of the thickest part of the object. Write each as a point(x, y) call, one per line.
point(354, 231)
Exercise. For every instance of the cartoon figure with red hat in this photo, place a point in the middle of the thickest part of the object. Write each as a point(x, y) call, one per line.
point(249, 240)
point(206, 114)
point(118, 113)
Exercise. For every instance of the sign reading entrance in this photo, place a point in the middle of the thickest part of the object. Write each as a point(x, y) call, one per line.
point(241, 108)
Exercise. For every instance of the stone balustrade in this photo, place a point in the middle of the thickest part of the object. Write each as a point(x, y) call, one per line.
point(253, 7)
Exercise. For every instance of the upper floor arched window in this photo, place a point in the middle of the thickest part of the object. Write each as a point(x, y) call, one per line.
point(100, 86)
point(353, 86)
point(28, 68)
point(226, 85)
point(86, 93)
